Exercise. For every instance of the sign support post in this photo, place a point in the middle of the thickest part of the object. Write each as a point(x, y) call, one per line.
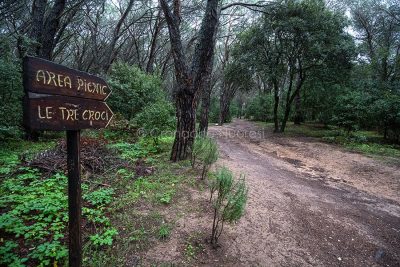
point(74, 197)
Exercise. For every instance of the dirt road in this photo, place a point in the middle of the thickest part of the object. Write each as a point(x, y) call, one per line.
point(310, 204)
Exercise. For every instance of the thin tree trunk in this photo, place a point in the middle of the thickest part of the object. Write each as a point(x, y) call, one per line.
point(205, 110)
point(276, 106)
point(112, 51)
point(290, 97)
point(298, 117)
point(227, 94)
point(152, 54)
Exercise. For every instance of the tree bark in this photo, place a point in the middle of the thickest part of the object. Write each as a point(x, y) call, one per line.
point(185, 127)
point(205, 109)
point(51, 26)
point(276, 106)
point(38, 10)
point(190, 81)
point(298, 117)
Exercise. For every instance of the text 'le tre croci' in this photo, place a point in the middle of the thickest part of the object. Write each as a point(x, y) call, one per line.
point(72, 114)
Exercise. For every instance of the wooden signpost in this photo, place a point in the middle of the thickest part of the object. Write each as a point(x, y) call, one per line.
point(62, 99)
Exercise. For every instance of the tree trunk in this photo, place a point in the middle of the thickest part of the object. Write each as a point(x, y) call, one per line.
point(290, 97)
point(298, 117)
point(38, 10)
point(276, 106)
point(223, 108)
point(152, 54)
point(191, 80)
point(227, 94)
point(205, 110)
point(185, 127)
point(51, 26)
point(206, 99)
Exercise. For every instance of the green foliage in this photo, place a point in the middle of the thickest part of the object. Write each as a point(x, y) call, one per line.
point(296, 43)
point(259, 108)
point(35, 212)
point(11, 92)
point(386, 111)
point(351, 111)
point(230, 202)
point(100, 197)
point(105, 238)
point(164, 231)
point(156, 119)
point(205, 150)
point(133, 151)
point(132, 90)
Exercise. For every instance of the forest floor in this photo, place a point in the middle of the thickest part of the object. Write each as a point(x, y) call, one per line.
point(310, 204)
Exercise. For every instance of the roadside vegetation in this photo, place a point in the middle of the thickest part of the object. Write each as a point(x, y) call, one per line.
point(367, 142)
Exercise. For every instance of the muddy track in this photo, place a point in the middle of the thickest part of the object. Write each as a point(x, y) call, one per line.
point(310, 203)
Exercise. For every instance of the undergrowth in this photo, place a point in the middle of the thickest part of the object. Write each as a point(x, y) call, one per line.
point(34, 206)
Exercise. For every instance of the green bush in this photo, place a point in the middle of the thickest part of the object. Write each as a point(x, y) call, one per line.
point(156, 119)
point(387, 115)
point(351, 111)
point(230, 202)
point(259, 108)
point(132, 90)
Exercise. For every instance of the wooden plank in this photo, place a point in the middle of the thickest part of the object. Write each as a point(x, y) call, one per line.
point(74, 198)
point(49, 112)
point(42, 76)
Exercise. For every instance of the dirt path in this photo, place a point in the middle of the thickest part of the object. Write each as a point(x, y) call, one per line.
point(310, 204)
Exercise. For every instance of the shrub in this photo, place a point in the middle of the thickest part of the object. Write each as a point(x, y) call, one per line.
point(205, 150)
point(155, 119)
point(259, 107)
point(351, 111)
point(229, 203)
point(132, 90)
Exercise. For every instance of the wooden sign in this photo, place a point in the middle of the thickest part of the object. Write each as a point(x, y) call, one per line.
point(60, 98)
point(50, 112)
point(42, 76)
